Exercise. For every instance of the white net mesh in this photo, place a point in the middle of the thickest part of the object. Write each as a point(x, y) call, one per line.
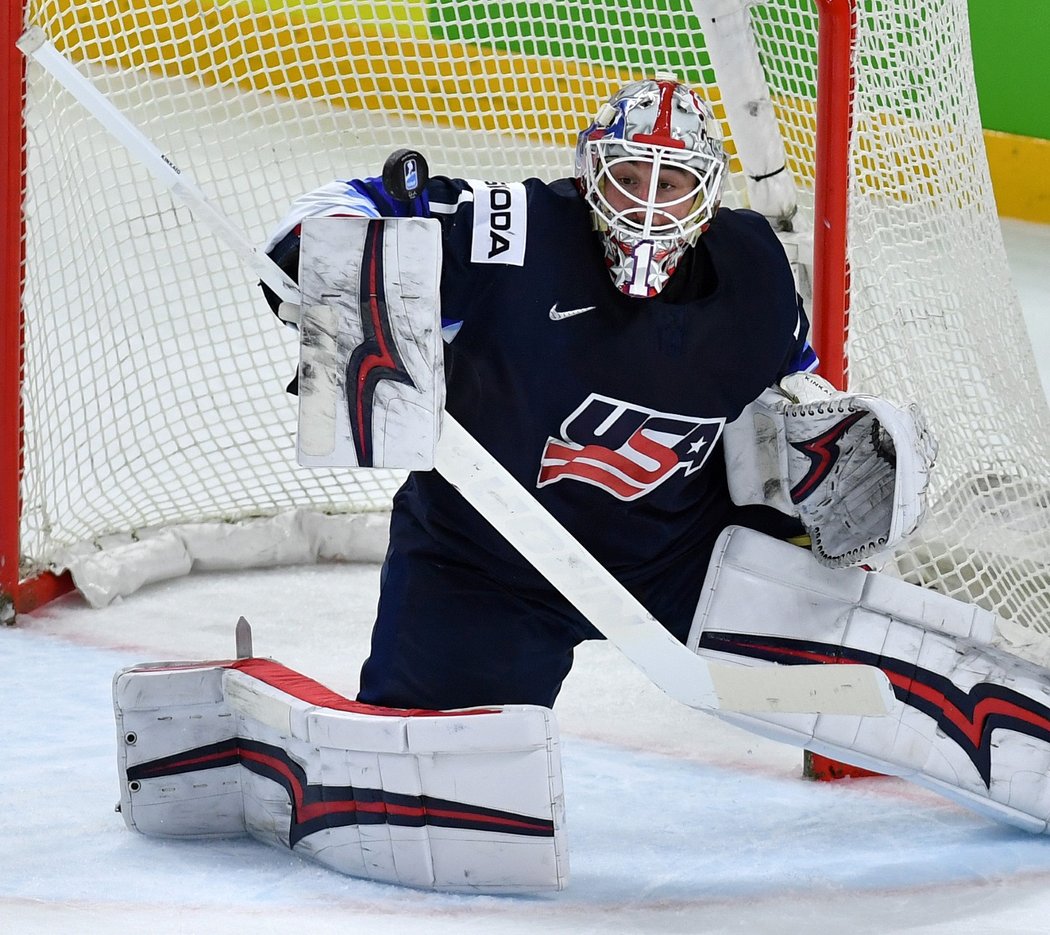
point(935, 317)
point(153, 387)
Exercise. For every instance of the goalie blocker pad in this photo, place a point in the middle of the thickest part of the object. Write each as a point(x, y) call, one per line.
point(970, 721)
point(460, 801)
point(371, 378)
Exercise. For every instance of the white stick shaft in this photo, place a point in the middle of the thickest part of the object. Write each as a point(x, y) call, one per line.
point(34, 44)
point(540, 538)
point(565, 563)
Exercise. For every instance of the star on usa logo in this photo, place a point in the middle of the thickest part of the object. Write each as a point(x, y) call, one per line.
point(624, 449)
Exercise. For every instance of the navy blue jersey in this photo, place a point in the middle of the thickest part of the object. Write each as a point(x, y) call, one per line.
point(612, 416)
point(609, 409)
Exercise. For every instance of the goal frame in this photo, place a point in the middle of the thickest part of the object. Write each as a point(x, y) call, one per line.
point(17, 594)
point(830, 302)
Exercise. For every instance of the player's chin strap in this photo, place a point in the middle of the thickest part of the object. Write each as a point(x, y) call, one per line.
point(971, 721)
point(855, 469)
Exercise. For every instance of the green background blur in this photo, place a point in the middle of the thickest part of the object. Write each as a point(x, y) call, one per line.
point(1010, 39)
point(1011, 60)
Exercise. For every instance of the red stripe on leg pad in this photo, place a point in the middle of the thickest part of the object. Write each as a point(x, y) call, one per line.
point(306, 689)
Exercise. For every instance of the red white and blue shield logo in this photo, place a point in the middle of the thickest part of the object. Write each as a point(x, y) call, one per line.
point(625, 449)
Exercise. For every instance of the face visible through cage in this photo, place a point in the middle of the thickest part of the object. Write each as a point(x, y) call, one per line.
point(651, 167)
point(650, 210)
point(650, 198)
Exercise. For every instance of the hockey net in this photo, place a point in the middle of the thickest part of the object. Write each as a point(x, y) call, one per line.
point(154, 423)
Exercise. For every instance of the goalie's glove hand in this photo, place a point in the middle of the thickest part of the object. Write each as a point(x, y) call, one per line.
point(858, 468)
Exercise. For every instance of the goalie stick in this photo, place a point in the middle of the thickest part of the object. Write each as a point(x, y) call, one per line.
point(496, 495)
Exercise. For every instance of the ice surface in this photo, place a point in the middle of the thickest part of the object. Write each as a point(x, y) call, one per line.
point(676, 823)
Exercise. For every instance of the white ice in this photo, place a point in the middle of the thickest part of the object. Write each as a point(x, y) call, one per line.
point(677, 823)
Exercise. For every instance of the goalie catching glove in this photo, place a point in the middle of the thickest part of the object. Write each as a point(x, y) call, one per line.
point(855, 469)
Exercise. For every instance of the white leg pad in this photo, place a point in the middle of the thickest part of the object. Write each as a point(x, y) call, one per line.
point(970, 720)
point(467, 801)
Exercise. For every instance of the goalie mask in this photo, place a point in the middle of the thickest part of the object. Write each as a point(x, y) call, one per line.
point(652, 168)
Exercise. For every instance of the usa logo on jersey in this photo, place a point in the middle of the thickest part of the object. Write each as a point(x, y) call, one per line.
point(626, 450)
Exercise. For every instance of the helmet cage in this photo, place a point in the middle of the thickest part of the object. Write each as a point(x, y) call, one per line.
point(648, 217)
point(664, 124)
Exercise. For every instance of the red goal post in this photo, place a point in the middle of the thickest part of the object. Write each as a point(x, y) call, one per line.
point(142, 418)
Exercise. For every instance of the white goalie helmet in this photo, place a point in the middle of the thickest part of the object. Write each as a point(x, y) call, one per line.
point(651, 167)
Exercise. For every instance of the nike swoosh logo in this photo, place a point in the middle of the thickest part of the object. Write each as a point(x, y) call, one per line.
point(569, 312)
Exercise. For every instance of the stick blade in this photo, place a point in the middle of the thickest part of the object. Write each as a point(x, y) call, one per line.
point(825, 689)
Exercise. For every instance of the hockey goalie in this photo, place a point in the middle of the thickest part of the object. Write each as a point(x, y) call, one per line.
point(637, 358)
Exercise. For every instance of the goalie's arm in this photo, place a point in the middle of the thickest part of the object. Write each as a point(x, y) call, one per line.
point(336, 199)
